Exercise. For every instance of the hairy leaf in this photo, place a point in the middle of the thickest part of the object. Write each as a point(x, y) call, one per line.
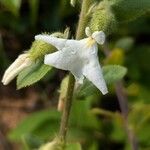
point(113, 73)
point(33, 123)
point(32, 74)
point(45, 124)
point(127, 10)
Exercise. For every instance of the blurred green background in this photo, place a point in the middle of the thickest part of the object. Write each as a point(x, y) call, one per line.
point(29, 116)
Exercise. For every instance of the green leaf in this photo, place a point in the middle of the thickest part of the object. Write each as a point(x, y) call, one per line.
point(35, 124)
point(86, 89)
point(12, 5)
point(127, 10)
point(81, 108)
point(31, 142)
point(45, 124)
point(32, 74)
point(73, 146)
point(125, 43)
point(113, 73)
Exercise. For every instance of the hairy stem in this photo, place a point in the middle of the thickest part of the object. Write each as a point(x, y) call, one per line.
point(123, 102)
point(83, 19)
point(67, 108)
point(69, 96)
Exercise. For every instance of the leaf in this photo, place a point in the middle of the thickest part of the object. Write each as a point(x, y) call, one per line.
point(12, 5)
point(127, 10)
point(86, 89)
point(113, 73)
point(81, 108)
point(32, 74)
point(125, 43)
point(73, 146)
point(45, 124)
point(35, 122)
point(31, 142)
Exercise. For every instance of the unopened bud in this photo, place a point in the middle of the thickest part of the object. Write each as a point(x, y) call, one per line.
point(103, 18)
point(16, 67)
point(54, 145)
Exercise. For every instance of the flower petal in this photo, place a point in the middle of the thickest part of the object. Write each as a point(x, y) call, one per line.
point(93, 73)
point(59, 43)
point(99, 36)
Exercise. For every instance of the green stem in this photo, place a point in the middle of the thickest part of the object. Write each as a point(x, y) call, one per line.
point(83, 20)
point(69, 95)
point(67, 108)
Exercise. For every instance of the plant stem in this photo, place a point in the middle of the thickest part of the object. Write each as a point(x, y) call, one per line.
point(67, 108)
point(83, 19)
point(69, 95)
point(122, 98)
point(123, 102)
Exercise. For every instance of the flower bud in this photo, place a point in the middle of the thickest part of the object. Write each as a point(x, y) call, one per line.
point(16, 67)
point(103, 19)
point(54, 145)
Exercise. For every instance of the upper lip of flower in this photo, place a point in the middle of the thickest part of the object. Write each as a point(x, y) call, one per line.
point(85, 49)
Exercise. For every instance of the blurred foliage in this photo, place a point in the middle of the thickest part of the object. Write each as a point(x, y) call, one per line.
point(101, 128)
point(12, 5)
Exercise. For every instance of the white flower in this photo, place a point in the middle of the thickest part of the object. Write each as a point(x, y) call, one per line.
point(78, 56)
point(16, 67)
